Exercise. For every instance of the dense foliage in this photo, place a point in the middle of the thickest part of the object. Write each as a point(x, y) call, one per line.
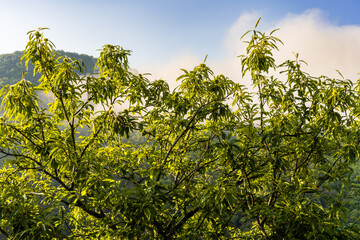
point(212, 160)
point(11, 68)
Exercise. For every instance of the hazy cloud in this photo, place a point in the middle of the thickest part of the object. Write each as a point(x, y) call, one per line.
point(323, 44)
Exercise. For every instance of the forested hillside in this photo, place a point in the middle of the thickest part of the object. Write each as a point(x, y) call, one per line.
point(11, 68)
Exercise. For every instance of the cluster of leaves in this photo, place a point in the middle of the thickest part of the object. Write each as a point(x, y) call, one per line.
point(11, 68)
point(216, 161)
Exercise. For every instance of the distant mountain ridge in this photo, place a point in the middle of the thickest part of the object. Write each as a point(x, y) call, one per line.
point(11, 68)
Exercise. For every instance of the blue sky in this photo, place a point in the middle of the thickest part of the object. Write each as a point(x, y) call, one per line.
point(166, 33)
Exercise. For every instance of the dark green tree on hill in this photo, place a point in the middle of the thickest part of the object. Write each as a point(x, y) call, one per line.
point(11, 68)
point(217, 161)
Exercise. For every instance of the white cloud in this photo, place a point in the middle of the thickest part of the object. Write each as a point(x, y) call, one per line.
point(325, 46)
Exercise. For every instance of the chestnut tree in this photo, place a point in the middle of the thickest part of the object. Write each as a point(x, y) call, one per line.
point(215, 160)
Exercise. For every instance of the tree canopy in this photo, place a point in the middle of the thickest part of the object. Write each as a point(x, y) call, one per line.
point(208, 160)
